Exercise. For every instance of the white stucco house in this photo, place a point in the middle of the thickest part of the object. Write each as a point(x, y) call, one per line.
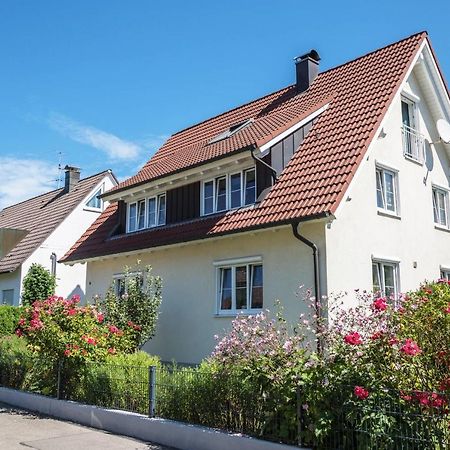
point(42, 229)
point(337, 182)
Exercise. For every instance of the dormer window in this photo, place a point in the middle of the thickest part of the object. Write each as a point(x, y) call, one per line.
point(232, 130)
point(229, 191)
point(147, 213)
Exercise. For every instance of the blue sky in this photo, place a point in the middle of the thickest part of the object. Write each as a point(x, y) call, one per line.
point(106, 81)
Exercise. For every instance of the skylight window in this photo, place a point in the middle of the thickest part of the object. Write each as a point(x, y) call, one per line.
point(232, 130)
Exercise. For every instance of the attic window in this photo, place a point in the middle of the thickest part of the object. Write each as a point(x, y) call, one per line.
point(232, 130)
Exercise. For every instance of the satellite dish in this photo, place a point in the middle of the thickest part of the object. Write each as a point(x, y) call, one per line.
point(443, 128)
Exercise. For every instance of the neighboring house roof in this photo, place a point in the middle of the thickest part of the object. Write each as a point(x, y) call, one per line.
point(40, 216)
point(314, 181)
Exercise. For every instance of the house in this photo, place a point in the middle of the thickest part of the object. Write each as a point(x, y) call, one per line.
point(337, 182)
point(42, 229)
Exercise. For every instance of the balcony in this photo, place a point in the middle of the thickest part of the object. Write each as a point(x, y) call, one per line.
point(413, 144)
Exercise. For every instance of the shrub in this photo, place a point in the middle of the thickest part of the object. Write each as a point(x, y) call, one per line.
point(38, 284)
point(139, 307)
point(9, 318)
point(16, 362)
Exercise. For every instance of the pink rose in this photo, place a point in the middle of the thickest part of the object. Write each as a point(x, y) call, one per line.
point(360, 392)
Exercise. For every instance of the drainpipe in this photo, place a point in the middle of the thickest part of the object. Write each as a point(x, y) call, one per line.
point(273, 172)
point(53, 259)
point(317, 303)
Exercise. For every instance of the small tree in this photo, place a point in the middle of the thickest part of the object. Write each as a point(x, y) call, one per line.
point(38, 284)
point(138, 308)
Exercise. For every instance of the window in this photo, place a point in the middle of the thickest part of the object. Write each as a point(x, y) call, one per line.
point(440, 207)
point(230, 131)
point(229, 191)
point(413, 141)
point(122, 282)
point(385, 279)
point(95, 202)
point(8, 297)
point(387, 190)
point(445, 274)
point(147, 213)
point(240, 287)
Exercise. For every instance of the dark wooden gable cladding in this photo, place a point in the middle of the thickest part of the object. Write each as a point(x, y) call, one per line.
point(122, 213)
point(183, 203)
point(263, 175)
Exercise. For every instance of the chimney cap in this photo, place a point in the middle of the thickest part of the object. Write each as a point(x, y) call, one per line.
point(68, 168)
point(313, 54)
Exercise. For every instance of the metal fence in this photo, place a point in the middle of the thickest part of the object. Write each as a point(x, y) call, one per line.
point(388, 420)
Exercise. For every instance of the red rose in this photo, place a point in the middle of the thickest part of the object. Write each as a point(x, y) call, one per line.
point(380, 304)
point(410, 348)
point(353, 338)
point(360, 392)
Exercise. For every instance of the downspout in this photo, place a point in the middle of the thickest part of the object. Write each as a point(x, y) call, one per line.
point(273, 172)
point(317, 300)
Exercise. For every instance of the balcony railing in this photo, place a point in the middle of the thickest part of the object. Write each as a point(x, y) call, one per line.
point(413, 144)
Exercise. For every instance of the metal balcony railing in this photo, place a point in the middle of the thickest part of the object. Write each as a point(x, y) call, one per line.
point(413, 144)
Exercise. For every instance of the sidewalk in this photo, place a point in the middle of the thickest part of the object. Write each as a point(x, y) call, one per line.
point(22, 430)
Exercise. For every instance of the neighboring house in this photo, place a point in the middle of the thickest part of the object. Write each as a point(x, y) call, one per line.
point(360, 173)
point(43, 228)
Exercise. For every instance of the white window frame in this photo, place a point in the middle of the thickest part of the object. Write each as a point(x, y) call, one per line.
point(97, 193)
point(227, 177)
point(146, 201)
point(123, 277)
point(232, 264)
point(439, 190)
point(412, 139)
point(445, 273)
point(381, 263)
point(394, 172)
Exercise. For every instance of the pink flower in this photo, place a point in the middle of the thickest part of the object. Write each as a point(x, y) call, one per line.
point(36, 324)
point(353, 338)
point(19, 332)
point(360, 392)
point(113, 329)
point(377, 335)
point(447, 310)
point(410, 348)
point(112, 351)
point(67, 352)
point(287, 346)
point(100, 317)
point(71, 312)
point(380, 304)
point(22, 321)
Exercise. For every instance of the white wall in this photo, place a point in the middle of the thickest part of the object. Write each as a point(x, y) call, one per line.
point(359, 232)
point(188, 321)
point(70, 280)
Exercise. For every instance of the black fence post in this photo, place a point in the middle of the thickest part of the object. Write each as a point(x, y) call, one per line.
point(299, 417)
point(151, 391)
point(59, 379)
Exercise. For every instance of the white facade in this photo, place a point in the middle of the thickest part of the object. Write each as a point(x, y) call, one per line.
point(70, 280)
point(359, 235)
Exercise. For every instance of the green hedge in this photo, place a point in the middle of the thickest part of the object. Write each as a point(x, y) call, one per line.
point(9, 317)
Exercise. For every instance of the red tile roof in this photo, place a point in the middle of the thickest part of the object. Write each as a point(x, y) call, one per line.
point(39, 216)
point(313, 183)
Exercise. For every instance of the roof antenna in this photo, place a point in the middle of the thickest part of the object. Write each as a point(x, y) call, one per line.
point(59, 179)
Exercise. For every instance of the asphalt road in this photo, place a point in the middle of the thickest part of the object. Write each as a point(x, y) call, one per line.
point(23, 430)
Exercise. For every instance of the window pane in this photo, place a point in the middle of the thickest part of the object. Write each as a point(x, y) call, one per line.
point(288, 149)
point(151, 212)
point(250, 187)
point(405, 114)
point(225, 288)
point(120, 287)
point(141, 214)
point(376, 279)
point(95, 201)
point(8, 297)
point(162, 210)
point(241, 287)
point(389, 280)
point(380, 195)
point(208, 197)
point(442, 207)
point(235, 182)
point(257, 287)
point(221, 194)
point(132, 218)
point(389, 190)
point(435, 206)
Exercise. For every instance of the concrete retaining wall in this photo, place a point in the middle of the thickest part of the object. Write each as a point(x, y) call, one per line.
point(165, 432)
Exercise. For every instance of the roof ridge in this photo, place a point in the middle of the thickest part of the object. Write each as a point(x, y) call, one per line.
point(52, 191)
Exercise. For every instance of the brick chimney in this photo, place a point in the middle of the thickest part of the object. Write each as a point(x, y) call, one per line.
point(307, 68)
point(72, 178)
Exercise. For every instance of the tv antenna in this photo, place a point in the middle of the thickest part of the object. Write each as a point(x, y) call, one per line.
point(59, 179)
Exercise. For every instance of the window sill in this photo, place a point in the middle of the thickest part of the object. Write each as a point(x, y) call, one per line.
point(234, 314)
point(413, 160)
point(382, 212)
point(441, 228)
